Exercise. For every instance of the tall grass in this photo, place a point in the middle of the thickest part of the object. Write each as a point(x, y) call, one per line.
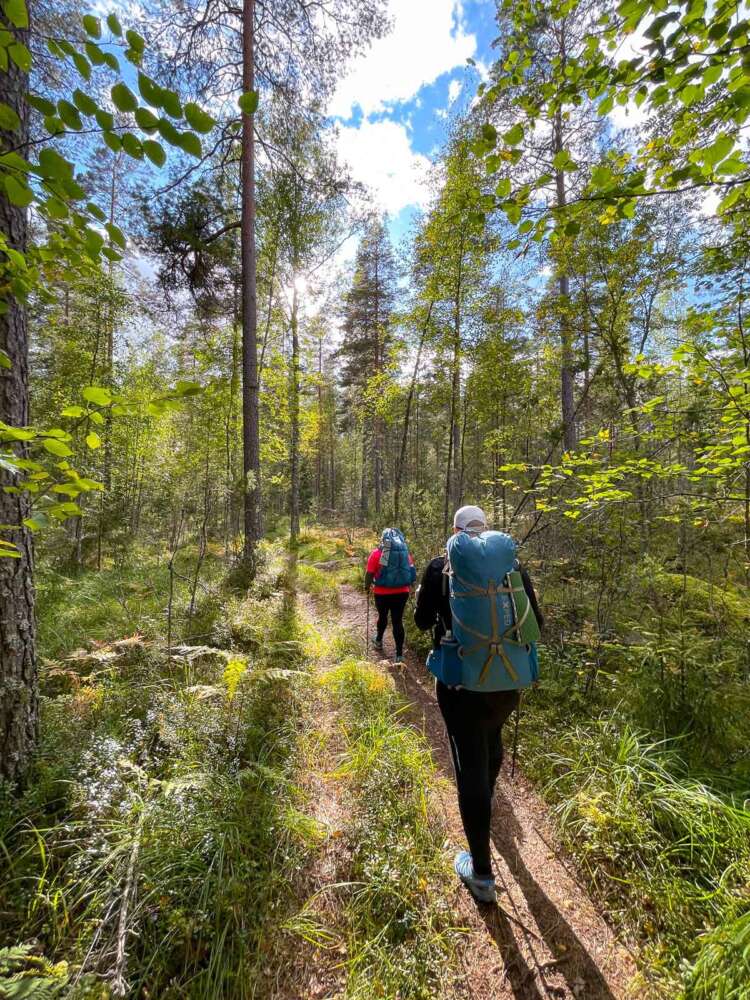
point(669, 854)
point(400, 932)
point(165, 807)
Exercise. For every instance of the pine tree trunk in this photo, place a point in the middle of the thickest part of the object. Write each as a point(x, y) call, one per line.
point(250, 409)
point(405, 434)
point(294, 418)
point(363, 505)
point(18, 664)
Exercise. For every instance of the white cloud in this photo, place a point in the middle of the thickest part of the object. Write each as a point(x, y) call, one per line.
point(454, 89)
point(380, 156)
point(428, 39)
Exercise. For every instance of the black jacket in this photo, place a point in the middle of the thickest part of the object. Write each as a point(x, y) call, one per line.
point(433, 608)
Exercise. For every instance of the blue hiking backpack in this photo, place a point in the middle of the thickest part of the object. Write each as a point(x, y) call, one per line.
point(493, 643)
point(395, 568)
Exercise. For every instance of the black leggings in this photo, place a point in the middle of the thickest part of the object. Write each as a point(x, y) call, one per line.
point(474, 720)
point(395, 603)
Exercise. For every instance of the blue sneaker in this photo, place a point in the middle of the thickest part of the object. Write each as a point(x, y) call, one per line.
point(398, 658)
point(482, 889)
point(377, 643)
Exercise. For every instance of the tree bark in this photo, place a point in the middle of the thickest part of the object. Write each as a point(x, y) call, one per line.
point(405, 433)
point(250, 408)
point(18, 665)
point(294, 417)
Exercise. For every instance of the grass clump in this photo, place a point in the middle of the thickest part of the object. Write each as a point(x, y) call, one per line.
point(400, 936)
point(165, 802)
point(669, 854)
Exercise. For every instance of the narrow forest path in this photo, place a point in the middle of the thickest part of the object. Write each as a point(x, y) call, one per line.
point(546, 938)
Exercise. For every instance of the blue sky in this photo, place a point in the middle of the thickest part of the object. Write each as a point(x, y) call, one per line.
point(394, 105)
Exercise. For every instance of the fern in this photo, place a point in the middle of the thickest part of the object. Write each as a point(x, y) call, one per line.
point(30, 987)
point(13, 955)
point(24, 976)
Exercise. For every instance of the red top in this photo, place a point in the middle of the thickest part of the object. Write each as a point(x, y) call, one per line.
point(373, 566)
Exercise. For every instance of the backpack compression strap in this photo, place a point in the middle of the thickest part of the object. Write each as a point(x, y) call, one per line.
point(493, 642)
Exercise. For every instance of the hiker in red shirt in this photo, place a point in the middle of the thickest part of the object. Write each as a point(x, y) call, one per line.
point(390, 574)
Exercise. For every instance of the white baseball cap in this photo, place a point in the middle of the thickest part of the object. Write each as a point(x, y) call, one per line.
point(470, 519)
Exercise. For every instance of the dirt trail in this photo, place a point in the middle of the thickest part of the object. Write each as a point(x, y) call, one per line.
point(546, 938)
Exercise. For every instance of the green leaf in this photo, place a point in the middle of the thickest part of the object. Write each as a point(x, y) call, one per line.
point(489, 134)
point(190, 142)
point(132, 145)
point(155, 152)
point(69, 114)
point(115, 234)
point(41, 104)
point(562, 160)
point(16, 12)
point(19, 193)
point(5, 359)
point(718, 150)
point(92, 25)
point(198, 119)
point(9, 120)
point(170, 102)
point(514, 135)
point(113, 141)
point(184, 388)
point(93, 242)
point(97, 394)
point(114, 25)
point(53, 166)
point(105, 119)
point(123, 97)
point(146, 120)
point(503, 187)
point(72, 411)
point(135, 41)
point(168, 132)
point(35, 523)
point(93, 440)
point(248, 102)
point(84, 103)
point(150, 91)
point(20, 56)
point(95, 54)
point(55, 447)
point(82, 65)
point(56, 209)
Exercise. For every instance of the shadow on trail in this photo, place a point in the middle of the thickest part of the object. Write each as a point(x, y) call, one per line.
point(571, 960)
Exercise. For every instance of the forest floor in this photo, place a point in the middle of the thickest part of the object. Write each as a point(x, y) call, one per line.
point(546, 937)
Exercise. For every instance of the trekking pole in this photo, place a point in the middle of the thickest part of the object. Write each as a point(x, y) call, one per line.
point(367, 627)
point(515, 737)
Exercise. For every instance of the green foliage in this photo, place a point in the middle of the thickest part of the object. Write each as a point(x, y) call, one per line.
point(190, 768)
point(689, 70)
point(722, 969)
point(27, 976)
point(401, 934)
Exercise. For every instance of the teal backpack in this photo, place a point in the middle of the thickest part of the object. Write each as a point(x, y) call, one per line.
point(395, 568)
point(493, 643)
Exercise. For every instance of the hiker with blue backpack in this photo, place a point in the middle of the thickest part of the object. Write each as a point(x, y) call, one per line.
point(486, 621)
point(390, 574)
